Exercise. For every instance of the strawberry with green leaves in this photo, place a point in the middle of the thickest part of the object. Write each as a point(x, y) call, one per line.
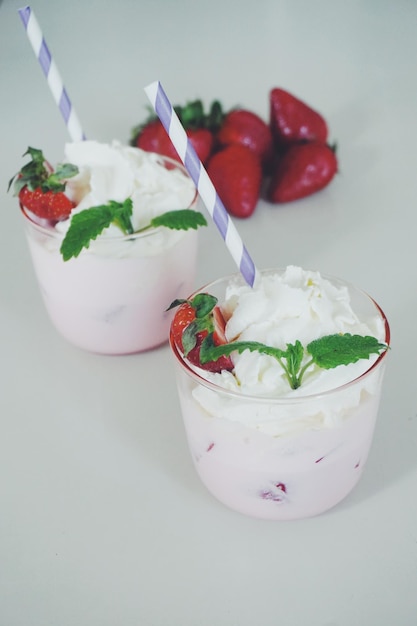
point(41, 190)
point(304, 169)
point(197, 320)
point(199, 126)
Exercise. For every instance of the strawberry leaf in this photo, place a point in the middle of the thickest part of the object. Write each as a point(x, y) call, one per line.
point(56, 181)
point(176, 302)
point(203, 304)
point(35, 174)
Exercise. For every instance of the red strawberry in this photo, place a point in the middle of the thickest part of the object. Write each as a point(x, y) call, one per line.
point(303, 170)
point(202, 141)
point(41, 189)
point(154, 138)
point(248, 129)
point(236, 174)
point(292, 120)
point(199, 126)
point(48, 205)
point(185, 315)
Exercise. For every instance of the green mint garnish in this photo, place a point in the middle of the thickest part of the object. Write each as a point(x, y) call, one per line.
point(183, 219)
point(326, 352)
point(90, 223)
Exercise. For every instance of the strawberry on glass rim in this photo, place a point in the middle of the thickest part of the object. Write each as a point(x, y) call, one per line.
point(196, 321)
point(41, 190)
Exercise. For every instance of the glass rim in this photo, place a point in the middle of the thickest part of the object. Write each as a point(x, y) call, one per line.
point(198, 378)
point(49, 230)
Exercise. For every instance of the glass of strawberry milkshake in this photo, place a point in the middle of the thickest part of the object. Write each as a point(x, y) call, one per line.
point(110, 262)
point(279, 388)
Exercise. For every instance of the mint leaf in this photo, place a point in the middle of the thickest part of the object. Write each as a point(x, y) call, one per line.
point(122, 213)
point(210, 352)
point(293, 356)
point(333, 350)
point(85, 226)
point(90, 223)
point(183, 219)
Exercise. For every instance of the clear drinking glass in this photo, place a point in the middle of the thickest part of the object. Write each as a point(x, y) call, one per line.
point(112, 298)
point(318, 448)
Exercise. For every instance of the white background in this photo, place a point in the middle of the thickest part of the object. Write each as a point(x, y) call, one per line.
point(103, 520)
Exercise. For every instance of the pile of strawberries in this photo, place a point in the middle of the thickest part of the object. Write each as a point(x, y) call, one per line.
point(246, 158)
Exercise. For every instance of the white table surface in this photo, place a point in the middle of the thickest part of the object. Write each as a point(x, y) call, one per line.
point(103, 520)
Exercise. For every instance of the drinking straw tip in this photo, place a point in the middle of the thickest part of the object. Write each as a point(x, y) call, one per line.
point(51, 73)
point(24, 13)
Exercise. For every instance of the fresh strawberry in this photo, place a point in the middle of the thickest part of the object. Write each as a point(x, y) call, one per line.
point(199, 326)
point(41, 189)
point(48, 205)
point(202, 141)
point(183, 318)
point(236, 174)
point(154, 138)
point(243, 127)
point(304, 169)
point(292, 120)
point(199, 126)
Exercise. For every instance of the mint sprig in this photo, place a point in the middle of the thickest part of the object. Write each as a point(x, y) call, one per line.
point(88, 224)
point(326, 352)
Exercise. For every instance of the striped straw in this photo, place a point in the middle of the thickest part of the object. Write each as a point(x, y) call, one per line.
point(201, 179)
point(50, 70)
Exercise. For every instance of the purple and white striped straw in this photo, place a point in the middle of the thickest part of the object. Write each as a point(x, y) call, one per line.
point(201, 179)
point(51, 72)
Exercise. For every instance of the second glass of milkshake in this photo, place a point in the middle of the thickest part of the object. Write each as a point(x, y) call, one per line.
point(259, 445)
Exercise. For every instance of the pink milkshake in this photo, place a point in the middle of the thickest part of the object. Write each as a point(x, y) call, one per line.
point(111, 297)
point(260, 446)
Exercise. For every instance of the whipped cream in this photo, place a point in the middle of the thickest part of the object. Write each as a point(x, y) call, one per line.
point(296, 304)
point(117, 172)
